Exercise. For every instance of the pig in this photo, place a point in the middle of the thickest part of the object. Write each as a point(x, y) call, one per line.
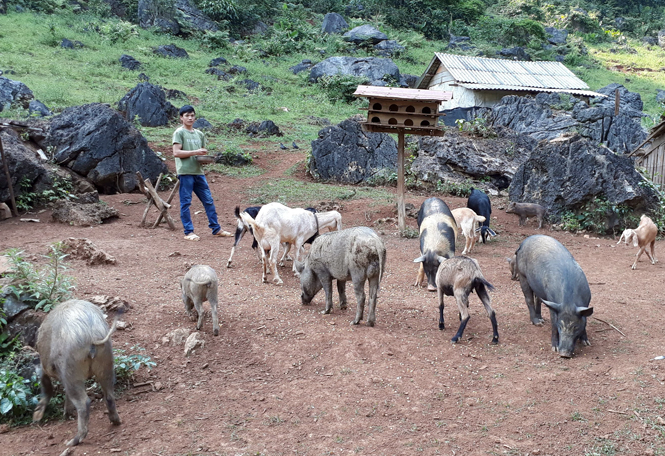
point(438, 233)
point(525, 210)
point(357, 254)
point(74, 344)
point(480, 203)
point(199, 285)
point(512, 264)
point(548, 273)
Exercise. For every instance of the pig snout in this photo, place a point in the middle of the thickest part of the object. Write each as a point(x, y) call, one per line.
point(431, 287)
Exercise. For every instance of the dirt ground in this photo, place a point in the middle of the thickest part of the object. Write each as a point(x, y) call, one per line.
point(283, 379)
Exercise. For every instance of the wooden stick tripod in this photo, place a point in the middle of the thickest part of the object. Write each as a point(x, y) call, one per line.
point(154, 199)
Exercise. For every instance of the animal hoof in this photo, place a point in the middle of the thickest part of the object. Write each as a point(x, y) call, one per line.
point(115, 420)
point(586, 342)
point(228, 265)
point(278, 281)
point(495, 340)
point(441, 326)
point(370, 324)
point(355, 322)
point(555, 349)
point(454, 340)
point(342, 307)
point(215, 332)
point(539, 322)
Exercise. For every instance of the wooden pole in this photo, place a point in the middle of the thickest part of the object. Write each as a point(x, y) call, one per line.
point(401, 213)
point(9, 180)
point(617, 102)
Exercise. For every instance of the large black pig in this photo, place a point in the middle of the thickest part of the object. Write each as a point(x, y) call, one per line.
point(548, 273)
point(438, 232)
point(480, 203)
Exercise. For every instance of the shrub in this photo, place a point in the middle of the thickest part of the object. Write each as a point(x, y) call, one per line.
point(60, 189)
point(16, 395)
point(341, 87)
point(126, 365)
point(599, 216)
point(455, 188)
point(45, 287)
point(117, 31)
point(216, 41)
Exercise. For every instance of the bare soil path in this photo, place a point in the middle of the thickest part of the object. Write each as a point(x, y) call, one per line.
point(282, 379)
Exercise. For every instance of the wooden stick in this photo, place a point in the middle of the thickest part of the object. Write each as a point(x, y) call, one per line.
point(616, 411)
point(173, 192)
point(610, 324)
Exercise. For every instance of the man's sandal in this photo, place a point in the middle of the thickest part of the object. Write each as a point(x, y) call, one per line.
point(192, 237)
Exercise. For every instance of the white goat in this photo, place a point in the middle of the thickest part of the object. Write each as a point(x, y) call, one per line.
point(643, 236)
point(467, 220)
point(277, 223)
point(332, 220)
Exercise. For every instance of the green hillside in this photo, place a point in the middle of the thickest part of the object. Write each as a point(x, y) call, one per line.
point(600, 49)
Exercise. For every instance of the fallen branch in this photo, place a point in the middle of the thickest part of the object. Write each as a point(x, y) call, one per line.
point(616, 411)
point(611, 325)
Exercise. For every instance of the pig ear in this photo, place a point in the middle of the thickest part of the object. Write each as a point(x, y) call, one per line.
point(441, 259)
point(509, 259)
point(552, 305)
point(420, 259)
point(584, 311)
point(299, 266)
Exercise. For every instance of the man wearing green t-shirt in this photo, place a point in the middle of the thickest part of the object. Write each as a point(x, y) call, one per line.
point(187, 143)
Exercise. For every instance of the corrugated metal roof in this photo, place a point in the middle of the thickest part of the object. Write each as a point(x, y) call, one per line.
point(479, 70)
point(584, 93)
point(397, 93)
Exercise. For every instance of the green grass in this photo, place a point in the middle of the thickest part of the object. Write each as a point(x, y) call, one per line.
point(236, 171)
point(290, 191)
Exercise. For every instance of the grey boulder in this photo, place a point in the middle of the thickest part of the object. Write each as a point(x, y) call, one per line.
point(14, 93)
point(345, 153)
point(129, 62)
point(171, 51)
point(95, 141)
point(365, 34)
point(373, 68)
point(333, 23)
point(148, 103)
point(38, 108)
point(387, 48)
point(556, 36)
point(565, 174)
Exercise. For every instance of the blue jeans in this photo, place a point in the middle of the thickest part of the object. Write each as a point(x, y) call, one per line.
point(198, 184)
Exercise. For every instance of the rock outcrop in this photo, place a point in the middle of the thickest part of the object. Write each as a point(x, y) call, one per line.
point(373, 68)
point(345, 153)
point(567, 172)
point(97, 142)
point(148, 103)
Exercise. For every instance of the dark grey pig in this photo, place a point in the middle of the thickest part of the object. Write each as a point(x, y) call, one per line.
point(438, 233)
point(357, 254)
point(200, 285)
point(548, 273)
point(74, 344)
point(525, 210)
point(481, 205)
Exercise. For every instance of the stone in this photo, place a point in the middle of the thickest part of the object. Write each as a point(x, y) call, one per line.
point(23, 165)
point(26, 326)
point(221, 75)
point(347, 154)
point(68, 44)
point(365, 35)
point(253, 86)
point(463, 43)
point(649, 41)
point(408, 80)
point(179, 17)
point(235, 159)
point(171, 51)
point(661, 39)
point(218, 61)
point(5, 213)
point(84, 249)
point(12, 306)
point(660, 96)
point(373, 68)
point(515, 53)
point(148, 103)
point(129, 62)
point(14, 93)
point(388, 48)
point(37, 108)
point(260, 28)
point(305, 64)
point(265, 128)
point(193, 342)
point(566, 173)
point(556, 36)
point(175, 94)
point(77, 214)
point(98, 143)
point(110, 303)
point(237, 69)
point(333, 23)
point(237, 124)
point(177, 337)
point(202, 124)
point(457, 157)
point(189, 17)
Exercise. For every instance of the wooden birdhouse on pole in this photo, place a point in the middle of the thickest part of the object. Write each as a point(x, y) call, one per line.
point(402, 111)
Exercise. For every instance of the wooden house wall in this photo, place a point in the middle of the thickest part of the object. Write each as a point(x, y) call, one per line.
point(653, 162)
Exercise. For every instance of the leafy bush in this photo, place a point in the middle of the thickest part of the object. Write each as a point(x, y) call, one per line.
point(455, 188)
point(219, 10)
point(26, 200)
point(127, 364)
point(478, 127)
point(117, 31)
point(45, 287)
point(341, 87)
point(17, 398)
point(216, 41)
point(599, 216)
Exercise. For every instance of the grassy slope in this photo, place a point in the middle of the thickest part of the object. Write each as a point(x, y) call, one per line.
point(29, 45)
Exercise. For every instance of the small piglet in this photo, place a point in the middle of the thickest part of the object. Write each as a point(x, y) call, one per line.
point(357, 254)
point(525, 210)
point(199, 285)
point(74, 344)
